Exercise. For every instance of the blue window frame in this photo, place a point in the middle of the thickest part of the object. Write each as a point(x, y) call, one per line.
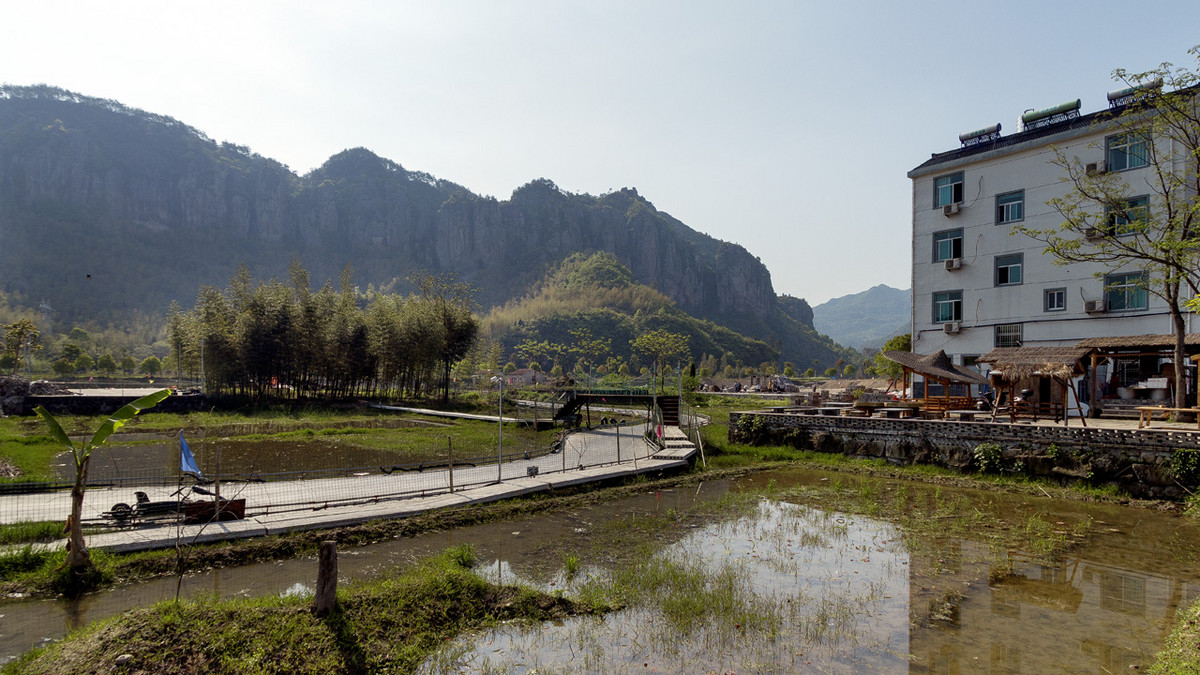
point(947, 190)
point(1010, 207)
point(1130, 150)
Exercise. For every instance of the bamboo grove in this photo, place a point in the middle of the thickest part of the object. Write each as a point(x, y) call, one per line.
point(278, 340)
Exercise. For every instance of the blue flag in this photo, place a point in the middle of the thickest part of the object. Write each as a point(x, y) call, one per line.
point(187, 463)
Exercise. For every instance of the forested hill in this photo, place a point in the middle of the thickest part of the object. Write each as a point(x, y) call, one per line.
point(107, 211)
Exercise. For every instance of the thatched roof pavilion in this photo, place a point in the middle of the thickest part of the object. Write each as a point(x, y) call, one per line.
point(1060, 364)
point(1018, 363)
point(936, 366)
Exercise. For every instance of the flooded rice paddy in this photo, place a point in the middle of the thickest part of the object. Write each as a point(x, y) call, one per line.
point(239, 450)
point(792, 571)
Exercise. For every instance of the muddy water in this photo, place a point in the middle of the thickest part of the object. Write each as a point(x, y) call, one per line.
point(532, 546)
point(847, 593)
point(829, 592)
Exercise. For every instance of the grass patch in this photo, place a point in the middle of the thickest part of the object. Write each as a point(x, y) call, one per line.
point(25, 447)
point(1180, 654)
point(388, 625)
point(30, 532)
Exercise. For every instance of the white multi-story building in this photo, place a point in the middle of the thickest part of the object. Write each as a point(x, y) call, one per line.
point(977, 286)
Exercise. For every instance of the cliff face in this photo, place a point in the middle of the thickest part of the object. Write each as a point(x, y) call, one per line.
point(151, 209)
point(100, 168)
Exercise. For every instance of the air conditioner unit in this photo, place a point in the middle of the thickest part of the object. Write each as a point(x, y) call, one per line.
point(953, 264)
point(1093, 233)
point(952, 328)
point(950, 209)
point(1093, 168)
point(1093, 306)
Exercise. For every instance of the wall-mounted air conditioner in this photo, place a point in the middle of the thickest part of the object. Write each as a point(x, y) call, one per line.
point(1093, 168)
point(953, 264)
point(950, 209)
point(1093, 306)
point(952, 328)
point(1093, 233)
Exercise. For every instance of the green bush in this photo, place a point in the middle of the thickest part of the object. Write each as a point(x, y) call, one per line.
point(1184, 465)
point(989, 458)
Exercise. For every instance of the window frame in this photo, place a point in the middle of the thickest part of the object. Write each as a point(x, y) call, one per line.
point(955, 304)
point(1003, 208)
point(1000, 339)
point(1008, 262)
point(955, 187)
point(1131, 287)
point(1120, 145)
point(950, 236)
point(1046, 299)
point(1117, 220)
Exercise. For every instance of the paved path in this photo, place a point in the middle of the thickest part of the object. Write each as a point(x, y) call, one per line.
point(442, 413)
point(285, 506)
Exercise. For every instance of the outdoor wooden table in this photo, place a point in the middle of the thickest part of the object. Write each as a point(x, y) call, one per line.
point(1146, 413)
point(962, 415)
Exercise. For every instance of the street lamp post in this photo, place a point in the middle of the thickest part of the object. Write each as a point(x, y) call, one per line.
point(500, 436)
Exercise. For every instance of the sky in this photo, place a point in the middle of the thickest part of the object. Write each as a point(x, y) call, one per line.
point(785, 127)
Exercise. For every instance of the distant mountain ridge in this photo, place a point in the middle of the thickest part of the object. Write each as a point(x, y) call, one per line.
point(865, 319)
point(107, 210)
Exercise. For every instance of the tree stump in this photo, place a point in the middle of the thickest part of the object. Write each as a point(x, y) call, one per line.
point(327, 573)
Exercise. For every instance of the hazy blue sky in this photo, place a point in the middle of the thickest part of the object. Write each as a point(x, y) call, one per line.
point(786, 127)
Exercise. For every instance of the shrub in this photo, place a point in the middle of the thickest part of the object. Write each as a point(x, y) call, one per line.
point(989, 458)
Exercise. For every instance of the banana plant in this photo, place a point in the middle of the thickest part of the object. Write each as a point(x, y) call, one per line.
point(77, 553)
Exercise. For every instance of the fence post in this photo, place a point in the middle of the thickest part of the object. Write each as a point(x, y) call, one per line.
point(327, 573)
point(450, 460)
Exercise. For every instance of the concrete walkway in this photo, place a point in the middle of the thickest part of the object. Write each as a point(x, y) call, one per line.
point(289, 506)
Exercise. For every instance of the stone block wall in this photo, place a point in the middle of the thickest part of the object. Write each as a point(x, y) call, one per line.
point(105, 405)
point(1150, 464)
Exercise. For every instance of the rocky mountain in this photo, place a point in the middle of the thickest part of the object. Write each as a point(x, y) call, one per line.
point(865, 319)
point(107, 210)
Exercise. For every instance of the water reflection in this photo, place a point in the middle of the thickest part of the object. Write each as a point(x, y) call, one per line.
point(828, 588)
point(842, 593)
point(955, 607)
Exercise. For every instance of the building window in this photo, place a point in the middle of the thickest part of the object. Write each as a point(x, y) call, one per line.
point(947, 190)
point(1125, 291)
point(1008, 269)
point(1054, 300)
point(947, 245)
point(1009, 335)
point(1129, 217)
point(947, 306)
point(1128, 151)
point(1010, 207)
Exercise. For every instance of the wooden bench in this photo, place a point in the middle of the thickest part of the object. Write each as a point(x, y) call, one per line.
point(1146, 414)
point(1036, 411)
point(935, 408)
point(963, 415)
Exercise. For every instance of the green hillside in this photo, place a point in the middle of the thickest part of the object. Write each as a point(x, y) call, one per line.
point(595, 297)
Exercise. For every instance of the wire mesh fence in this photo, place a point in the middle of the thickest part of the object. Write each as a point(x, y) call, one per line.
point(147, 495)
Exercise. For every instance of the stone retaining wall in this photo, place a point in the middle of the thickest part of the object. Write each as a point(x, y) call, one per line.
point(103, 405)
point(1152, 464)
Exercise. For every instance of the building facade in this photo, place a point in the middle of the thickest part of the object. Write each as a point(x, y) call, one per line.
point(977, 285)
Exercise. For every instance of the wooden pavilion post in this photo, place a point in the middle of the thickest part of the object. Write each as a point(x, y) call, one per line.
point(1065, 384)
point(1094, 387)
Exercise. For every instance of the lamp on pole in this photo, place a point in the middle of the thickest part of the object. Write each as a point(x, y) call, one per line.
point(500, 434)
